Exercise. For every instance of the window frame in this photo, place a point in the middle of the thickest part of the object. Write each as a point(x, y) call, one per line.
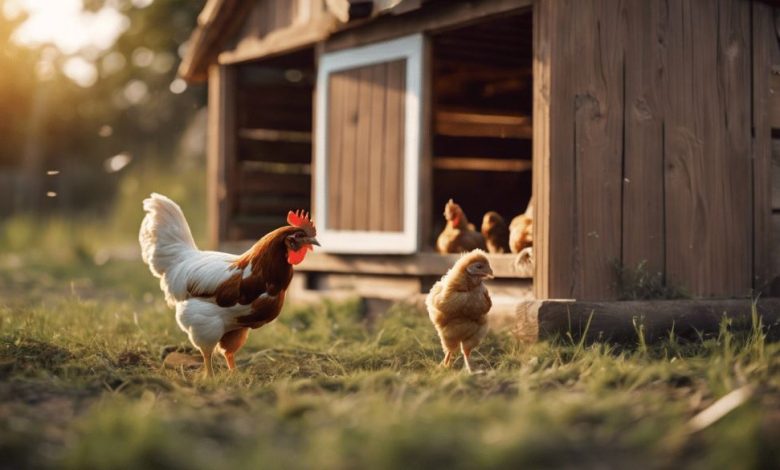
point(409, 48)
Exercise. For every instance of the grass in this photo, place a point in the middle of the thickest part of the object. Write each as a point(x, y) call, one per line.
point(82, 385)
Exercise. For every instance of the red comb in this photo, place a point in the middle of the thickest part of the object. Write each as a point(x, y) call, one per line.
point(301, 219)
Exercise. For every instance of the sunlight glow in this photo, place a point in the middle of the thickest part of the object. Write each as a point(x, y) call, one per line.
point(66, 25)
point(81, 71)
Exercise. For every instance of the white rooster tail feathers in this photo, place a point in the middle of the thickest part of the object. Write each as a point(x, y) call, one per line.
point(165, 236)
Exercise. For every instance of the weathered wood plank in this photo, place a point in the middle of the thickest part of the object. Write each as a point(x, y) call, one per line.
point(335, 103)
point(733, 125)
point(366, 115)
point(221, 151)
point(598, 145)
point(481, 164)
point(617, 321)
point(375, 154)
point(276, 135)
point(349, 141)
point(542, 68)
point(394, 146)
point(708, 215)
point(420, 264)
point(473, 124)
point(765, 252)
point(643, 178)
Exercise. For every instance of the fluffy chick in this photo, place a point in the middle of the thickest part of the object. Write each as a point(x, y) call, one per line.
point(496, 233)
point(458, 305)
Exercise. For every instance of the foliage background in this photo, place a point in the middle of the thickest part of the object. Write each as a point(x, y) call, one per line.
point(129, 120)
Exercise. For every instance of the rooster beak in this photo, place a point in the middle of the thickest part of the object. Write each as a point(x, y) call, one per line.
point(312, 241)
point(489, 274)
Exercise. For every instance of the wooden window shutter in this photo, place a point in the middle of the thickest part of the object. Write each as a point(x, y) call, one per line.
point(367, 148)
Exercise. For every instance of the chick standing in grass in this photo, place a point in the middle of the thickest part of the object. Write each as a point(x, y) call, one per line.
point(458, 305)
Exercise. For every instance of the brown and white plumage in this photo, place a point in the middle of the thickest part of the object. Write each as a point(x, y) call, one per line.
point(459, 235)
point(218, 296)
point(458, 304)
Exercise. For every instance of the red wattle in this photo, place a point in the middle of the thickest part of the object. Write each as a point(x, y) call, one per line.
point(295, 257)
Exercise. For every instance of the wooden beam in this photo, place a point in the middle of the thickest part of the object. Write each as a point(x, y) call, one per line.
point(618, 321)
point(420, 264)
point(274, 135)
point(220, 172)
point(475, 124)
point(436, 17)
point(281, 41)
point(481, 164)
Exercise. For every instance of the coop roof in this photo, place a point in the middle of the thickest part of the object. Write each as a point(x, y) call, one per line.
point(220, 20)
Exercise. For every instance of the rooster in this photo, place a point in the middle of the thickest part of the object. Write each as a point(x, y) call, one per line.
point(218, 296)
point(457, 306)
point(496, 233)
point(458, 235)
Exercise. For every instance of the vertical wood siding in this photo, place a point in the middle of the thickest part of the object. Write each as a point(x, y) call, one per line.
point(365, 138)
point(646, 109)
point(268, 16)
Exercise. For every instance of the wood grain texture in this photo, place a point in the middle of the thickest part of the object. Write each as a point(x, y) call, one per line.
point(598, 134)
point(394, 146)
point(708, 172)
point(366, 147)
point(335, 104)
point(543, 20)
point(765, 54)
point(375, 154)
point(348, 148)
point(221, 151)
point(615, 321)
point(643, 147)
point(559, 185)
point(363, 143)
point(643, 174)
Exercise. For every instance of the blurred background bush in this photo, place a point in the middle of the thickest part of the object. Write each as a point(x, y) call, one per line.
point(93, 119)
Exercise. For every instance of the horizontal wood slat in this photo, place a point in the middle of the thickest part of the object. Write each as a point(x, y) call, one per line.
point(481, 164)
point(274, 151)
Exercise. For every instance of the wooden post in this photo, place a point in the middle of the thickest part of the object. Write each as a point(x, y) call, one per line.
point(221, 150)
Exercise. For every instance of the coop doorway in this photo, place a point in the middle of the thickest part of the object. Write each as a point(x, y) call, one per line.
point(481, 119)
point(271, 172)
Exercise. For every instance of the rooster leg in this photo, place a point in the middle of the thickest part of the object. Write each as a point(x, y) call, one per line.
point(232, 342)
point(207, 368)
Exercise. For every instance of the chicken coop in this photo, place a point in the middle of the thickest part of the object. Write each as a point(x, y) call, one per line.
point(642, 129)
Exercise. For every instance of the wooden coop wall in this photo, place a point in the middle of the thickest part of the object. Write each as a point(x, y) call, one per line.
point(651, 142)
point(366, 148)
point(268, 16)
point(260, 159)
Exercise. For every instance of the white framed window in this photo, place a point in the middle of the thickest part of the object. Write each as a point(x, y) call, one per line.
point(367, 147)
